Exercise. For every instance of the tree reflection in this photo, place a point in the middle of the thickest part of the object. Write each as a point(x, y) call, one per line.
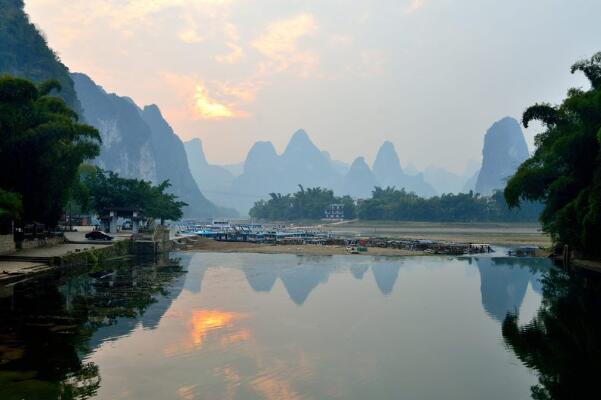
point(562, 341)
point(46, 329)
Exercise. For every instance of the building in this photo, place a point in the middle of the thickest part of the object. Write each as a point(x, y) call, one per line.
point(335, 211)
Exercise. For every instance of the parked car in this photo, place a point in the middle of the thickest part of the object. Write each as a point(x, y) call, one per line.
point(98, 235)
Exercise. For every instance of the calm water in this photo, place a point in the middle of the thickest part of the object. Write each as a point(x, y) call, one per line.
point(252, 326)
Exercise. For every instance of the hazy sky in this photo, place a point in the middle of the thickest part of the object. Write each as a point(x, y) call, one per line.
point(429, 75)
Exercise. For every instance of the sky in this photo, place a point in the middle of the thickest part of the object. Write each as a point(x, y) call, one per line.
point(429, 75)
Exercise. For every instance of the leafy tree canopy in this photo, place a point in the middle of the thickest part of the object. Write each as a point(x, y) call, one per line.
point(103, 191)
point(392, 204)
point(10, 204)
point(565, 170)
point(41, 147)
point(308, 203)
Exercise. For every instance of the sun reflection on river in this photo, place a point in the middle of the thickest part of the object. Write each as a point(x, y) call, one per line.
point(202, 323)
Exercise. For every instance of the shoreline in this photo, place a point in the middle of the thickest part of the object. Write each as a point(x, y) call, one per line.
point(203, 245)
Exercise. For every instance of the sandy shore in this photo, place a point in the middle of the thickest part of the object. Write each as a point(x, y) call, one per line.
point(209, 245)
point(507, 234)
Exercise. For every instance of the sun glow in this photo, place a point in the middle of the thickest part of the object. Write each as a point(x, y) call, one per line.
point(205, 321)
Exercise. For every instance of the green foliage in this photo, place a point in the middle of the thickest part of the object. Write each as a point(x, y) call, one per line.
point(10, 205)
point(103, 191)
point(308, 203)
point(41, 147)
point(25, 53)
point(399, 205)
point(565, 170)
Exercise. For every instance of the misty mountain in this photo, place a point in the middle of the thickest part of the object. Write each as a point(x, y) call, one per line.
point(140, 144)
point(301, 163)
point(470, 184)
point(213, 181)
point(127, 147)
point(445, 181)
point(388, 172)
point(360, 180)
point(25, 53)
point(504, 150)
point(339, 166)
point(304, 164)
point(262, 175)
point(235, 169)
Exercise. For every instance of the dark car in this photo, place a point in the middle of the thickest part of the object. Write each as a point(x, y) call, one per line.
point(98, 235)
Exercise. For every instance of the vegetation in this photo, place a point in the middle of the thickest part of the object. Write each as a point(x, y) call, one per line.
point(10, 204)
point(395, 205)
point(308, 203)
point(41, 147)
point(565, 170)
point(25, 53)
point(399, 205)
point(562, 342)
point(102, 191)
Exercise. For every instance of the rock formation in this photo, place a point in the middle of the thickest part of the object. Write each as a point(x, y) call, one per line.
point(360, 180)
point(388, 172)
point(504, 150)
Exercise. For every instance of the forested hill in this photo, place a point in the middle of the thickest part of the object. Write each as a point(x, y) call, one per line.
point(25, 53)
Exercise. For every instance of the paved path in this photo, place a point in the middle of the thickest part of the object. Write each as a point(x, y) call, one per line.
point(10, 269)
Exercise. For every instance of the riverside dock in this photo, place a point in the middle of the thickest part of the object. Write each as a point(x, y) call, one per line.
point(76, 250)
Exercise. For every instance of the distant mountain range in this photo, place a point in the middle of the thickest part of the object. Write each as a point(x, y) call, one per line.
point(302, 163)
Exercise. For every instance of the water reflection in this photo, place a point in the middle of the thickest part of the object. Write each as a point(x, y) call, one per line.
point(358, 270)
point(270, 326)
point(307, 273)
point(47, 329)
point(562, 342)
point(386, 275)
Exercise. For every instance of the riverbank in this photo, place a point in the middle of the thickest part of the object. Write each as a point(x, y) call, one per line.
point(213, 246)
point(75, 251)
point(501, 234)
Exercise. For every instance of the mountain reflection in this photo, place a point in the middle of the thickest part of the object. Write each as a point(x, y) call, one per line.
point(358, 270)
point(562, 342)
point(300, 281)
point(502, 286)
point(46, 330)
point(386, 275)
point(302, 274)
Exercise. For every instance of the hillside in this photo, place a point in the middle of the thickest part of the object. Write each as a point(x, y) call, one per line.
point(24, 52)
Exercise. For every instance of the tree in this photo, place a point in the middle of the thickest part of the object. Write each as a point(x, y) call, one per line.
point(41, 147)
point(565, 170)
point(10, 204)
point(164, 205)
point(104, 191)
point(309, 203)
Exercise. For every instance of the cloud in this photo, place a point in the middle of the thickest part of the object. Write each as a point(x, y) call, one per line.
point(414, 6)
point(141, 9)
point(233, 43)
point(218, 100)
point(245, 92)
point(279, 43)
point(190, 35)
point(207, 107)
